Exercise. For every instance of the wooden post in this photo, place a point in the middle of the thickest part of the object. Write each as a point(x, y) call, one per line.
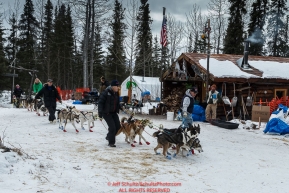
point(208, 58)
point(259, 122)
point(130, 91)
point(163, 61)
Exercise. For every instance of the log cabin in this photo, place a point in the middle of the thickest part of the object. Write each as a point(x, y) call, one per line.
point(261, 78)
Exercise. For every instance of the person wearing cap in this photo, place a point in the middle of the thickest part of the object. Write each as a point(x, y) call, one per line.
point(37, 86)
point(213, 98)
point(187, 106)
point(50, 94)
point(108, 109)
point(103, 84)
point(17, 91)
point(17, 94)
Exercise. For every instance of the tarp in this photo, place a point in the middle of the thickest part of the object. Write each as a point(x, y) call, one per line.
point(277, 124)
point(150, 84)
point(281, 107)
point(198, 113)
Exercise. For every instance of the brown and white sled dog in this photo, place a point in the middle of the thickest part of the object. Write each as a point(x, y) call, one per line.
point(129, 128)
point(141, 124)
point(71, 114)
point(180, 137)
point(132, 127)
point(88, 116)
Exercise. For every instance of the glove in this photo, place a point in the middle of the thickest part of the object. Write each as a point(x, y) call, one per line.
point(185, 114)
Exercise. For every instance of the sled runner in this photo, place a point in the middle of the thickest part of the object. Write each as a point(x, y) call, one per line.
point(225, 124)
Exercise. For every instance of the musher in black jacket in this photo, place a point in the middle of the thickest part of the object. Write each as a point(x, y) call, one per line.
point(50, 95)
point(17, 91)
point(17, 94)
point(108, 108)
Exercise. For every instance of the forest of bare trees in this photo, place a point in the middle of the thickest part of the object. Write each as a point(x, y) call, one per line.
point(75, 42)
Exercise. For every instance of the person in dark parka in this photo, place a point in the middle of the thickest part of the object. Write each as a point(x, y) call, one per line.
point(50, 94)
point(17, 91)
point(17, 94)
point(108, 108)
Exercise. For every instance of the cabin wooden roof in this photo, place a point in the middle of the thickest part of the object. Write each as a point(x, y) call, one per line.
point(194, 58)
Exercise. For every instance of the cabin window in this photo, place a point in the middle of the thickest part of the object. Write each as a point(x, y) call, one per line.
point(280, 93)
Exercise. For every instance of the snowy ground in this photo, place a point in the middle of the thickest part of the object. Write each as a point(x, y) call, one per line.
point(233, 161)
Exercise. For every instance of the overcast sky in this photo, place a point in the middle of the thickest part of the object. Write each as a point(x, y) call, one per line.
point(178, 8)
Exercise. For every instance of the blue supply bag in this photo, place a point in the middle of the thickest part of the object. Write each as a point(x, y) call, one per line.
point(198, 113)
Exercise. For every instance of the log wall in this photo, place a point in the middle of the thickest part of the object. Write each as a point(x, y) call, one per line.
point(173, 93)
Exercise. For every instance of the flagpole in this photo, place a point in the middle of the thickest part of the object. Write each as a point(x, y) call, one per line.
point(208, 58)
point(163, 62)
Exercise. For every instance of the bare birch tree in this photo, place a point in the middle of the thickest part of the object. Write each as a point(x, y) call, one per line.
point(175, 35)
point(217, 12)
point(91, 47)
point(130, 41)
point(88, 14)
point(194, 25)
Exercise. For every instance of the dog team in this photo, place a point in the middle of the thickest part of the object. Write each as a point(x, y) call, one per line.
point(184, 138)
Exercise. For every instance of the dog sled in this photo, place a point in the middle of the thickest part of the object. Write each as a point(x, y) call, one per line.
point(225, 124)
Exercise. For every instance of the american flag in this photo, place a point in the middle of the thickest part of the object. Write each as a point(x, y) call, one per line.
point(164, 41)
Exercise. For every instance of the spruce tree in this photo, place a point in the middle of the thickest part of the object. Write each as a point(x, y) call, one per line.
point(47, 39)
point(165, 59)
point(63, 70)
point(2, 53)
point(11, 47)
point(156, 59)
point(58, 44)
point(69, 50)
point(233, 43)
point(116, 60)
point(98, 56)
point(26, 57)
point(144, 39)
point(277, 28)
point(200, 45)
point(256, 25)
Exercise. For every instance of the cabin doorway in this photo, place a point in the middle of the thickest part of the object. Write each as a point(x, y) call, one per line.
point(280, 93)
